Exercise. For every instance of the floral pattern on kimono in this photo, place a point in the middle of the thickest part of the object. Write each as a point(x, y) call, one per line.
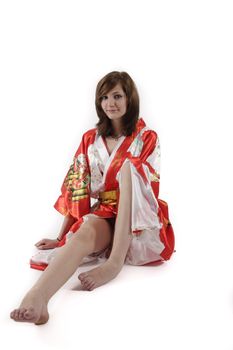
point(94, 172)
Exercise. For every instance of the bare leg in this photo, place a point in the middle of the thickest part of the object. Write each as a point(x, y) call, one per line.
point(122, 238)
point(34, 305)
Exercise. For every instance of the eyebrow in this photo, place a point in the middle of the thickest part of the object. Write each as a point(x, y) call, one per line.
point(114, 92)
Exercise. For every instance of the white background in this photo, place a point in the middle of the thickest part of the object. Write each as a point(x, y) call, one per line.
point(179, 53)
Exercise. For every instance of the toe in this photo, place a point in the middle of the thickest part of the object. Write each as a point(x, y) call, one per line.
point(21, 313)
point(91, 286)
point(82, 276)
point(12, 314)
point(84, 284)
point(88, 286)
point(16, 315)
point(29, 314)
point(88, 282)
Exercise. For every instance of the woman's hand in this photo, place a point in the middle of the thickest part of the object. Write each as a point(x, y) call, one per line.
point(47, 243)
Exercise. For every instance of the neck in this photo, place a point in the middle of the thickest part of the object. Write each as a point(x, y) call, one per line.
point(117, 129)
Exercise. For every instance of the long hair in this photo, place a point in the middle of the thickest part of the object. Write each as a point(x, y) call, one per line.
point(129, 119)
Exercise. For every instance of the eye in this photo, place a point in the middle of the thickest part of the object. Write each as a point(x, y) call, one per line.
point(117, 96)
point(103, 98)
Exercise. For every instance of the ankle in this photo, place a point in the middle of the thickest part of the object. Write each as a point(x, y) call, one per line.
point(37, 292)
point(116, 262)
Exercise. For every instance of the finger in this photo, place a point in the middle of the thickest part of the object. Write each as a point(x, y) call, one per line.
point(42, 246)
point(42, 241)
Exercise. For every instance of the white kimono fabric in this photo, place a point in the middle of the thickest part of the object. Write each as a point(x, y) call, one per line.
point(94, 172)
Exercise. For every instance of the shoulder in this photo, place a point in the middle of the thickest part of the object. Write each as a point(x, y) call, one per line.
point(89, 135)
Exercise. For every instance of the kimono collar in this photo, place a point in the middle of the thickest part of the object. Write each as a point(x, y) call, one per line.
point(118, 155)
point(106, 158)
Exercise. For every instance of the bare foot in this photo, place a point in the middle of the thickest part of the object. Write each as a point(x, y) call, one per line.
point(32, 309)
point(99, 275)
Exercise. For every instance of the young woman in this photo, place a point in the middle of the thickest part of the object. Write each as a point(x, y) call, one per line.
point(118, 164)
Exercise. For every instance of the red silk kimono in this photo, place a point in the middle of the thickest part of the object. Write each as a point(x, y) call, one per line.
point(96, 175)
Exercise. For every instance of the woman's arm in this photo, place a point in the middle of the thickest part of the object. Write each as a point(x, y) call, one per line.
point(67, 223)
point(52, 243)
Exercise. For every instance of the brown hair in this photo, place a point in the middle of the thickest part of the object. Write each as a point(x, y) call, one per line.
point(129, 119)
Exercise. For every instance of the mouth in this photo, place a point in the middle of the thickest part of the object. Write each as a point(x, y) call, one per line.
point(112, 110)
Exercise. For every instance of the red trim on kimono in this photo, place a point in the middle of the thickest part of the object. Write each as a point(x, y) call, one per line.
point(94, 172)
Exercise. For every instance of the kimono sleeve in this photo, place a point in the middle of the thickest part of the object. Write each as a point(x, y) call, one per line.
point(145, 175)
point(75, 189)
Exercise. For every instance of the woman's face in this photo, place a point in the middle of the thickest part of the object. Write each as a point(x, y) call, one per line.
point(114, 103)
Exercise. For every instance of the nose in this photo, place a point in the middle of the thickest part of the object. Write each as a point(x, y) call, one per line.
point(111, 101)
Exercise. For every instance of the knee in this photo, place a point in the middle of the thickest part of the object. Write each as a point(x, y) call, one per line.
point(126, 168)
point(126, 174)
point(86, 232)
